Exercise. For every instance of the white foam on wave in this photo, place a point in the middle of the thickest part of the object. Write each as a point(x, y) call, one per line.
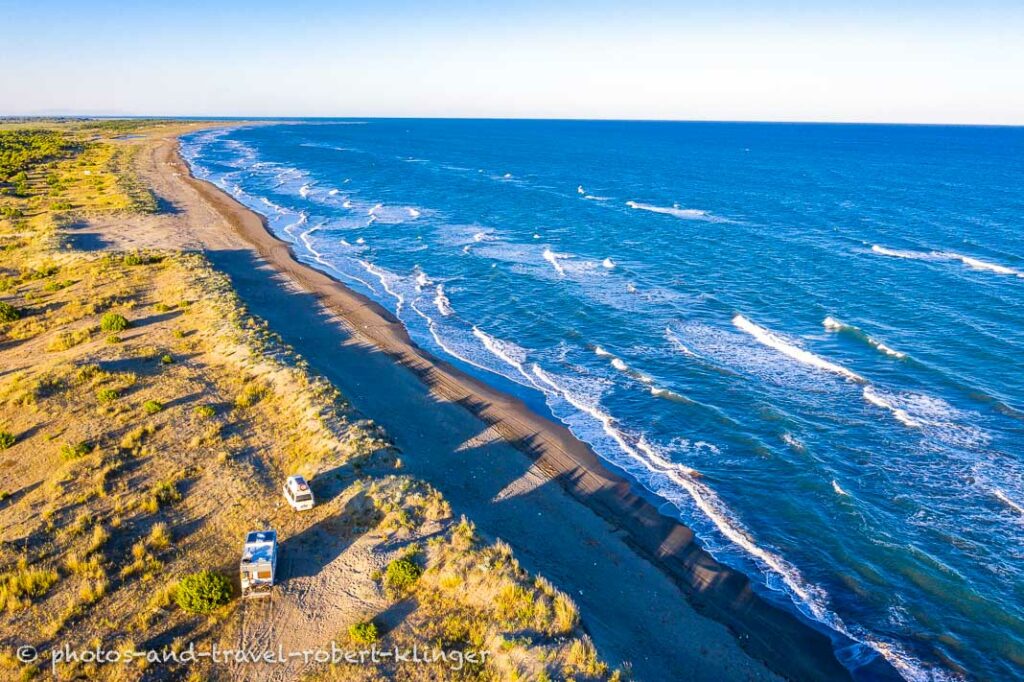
point(506, 351)
point(392, 215)
point(608, 263)
point(552, 257)
point(346, 204)
point(1005, 499)
point(675, 211)
point(389, 281)
point(838, 489)
point(806, 595)
point(444, 306)
point(969, 261)
point(591, 197)
point(790, 350)
point(833, 325)
point(641, 452)
point(898, 253)
point(305, 190)
point(986, 266)
point(792, 441)
point(300, 220)
point(580, 190)
point(332, 192)
point(678, 343)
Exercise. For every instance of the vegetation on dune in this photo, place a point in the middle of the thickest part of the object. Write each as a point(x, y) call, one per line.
point(21, 150)
point(203, 592)
point(113, 322)
point(364, 633)
point(8, 313)
point(132, 465)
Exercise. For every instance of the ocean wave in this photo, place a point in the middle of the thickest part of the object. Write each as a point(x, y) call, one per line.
point(808, 597)
point(790, 350)
point(444, 306)
point(676, 212)
point(392, 215)
point(969, 261)
point(642, 453)
point(305, 190)
point(552, 257)
point(300, 220)
point(878, 400)
point(619, 364)
point(678, 343)
point(838, 489)
point(1005, 499)
point(833, 325)
point(608, 264)
point(510, 353)
point(986, 266)
point(389, 281)
point(668, 394)
point(792, 441)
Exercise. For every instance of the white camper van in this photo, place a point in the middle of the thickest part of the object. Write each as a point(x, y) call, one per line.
point(298, 493)
point(259, 563)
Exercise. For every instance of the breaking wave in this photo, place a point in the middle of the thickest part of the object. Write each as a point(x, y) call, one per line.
point(780, 344)
point(676, 212)
point(833, 325)
point(969, 261)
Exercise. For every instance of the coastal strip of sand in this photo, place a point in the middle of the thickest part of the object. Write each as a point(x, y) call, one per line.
point(649, 594)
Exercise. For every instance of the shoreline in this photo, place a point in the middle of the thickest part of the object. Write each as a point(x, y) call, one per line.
point(787, 644)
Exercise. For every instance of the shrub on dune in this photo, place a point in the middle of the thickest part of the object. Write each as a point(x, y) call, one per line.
point(401, 574)
point(8, 313)
point(363, 633)
point(203, 592)
point(113, 322)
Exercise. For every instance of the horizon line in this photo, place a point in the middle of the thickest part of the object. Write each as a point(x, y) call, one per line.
point(238, 118)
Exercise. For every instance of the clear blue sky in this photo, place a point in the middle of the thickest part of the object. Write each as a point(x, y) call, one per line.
point(864, 60)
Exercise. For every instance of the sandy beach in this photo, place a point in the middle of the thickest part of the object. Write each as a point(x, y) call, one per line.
point(649, 593)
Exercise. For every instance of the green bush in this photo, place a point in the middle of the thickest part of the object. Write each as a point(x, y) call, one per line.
point(203, 592)
point(112, 322)
point(8, 313)
point(205, 411)
point(152, 406)
point(166, 359)
point(107, 395)
point(7, 439)
point(401, 574)
point(70, 451)
point(363, 633)
point(165, 492)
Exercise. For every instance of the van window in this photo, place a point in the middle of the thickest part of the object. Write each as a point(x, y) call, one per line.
point(263, 575)
point(303, 498)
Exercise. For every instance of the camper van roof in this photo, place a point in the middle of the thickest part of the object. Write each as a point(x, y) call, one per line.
point(260, 536)
point(259, 546)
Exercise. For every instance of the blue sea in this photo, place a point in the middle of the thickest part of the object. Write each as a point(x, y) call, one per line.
point(806, 341)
